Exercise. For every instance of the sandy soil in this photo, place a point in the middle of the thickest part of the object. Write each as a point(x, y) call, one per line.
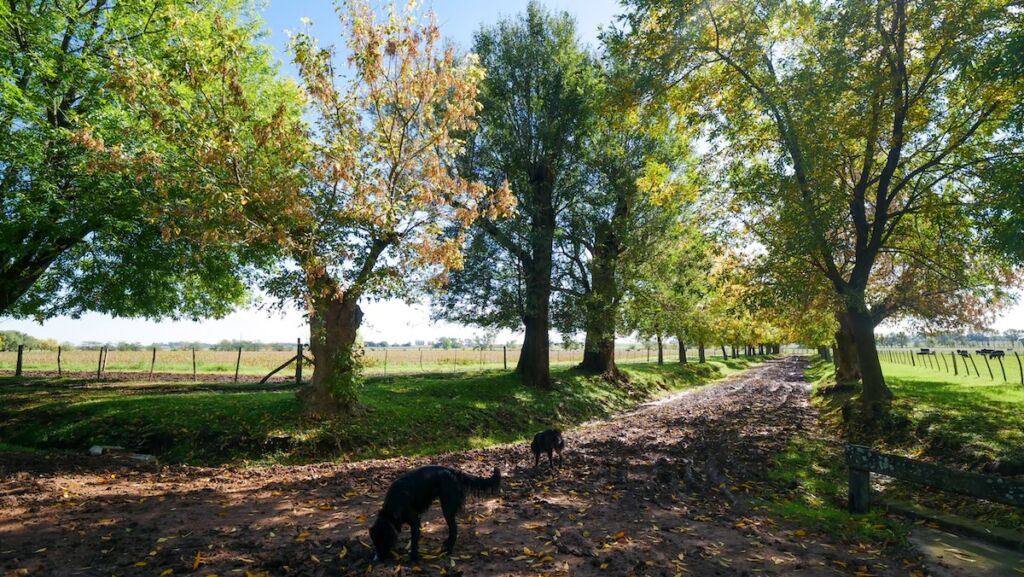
point(665, 490)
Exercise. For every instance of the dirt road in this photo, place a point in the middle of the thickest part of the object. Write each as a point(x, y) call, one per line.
point(665, 490)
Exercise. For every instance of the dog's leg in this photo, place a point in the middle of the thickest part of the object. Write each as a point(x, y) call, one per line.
point(551, 458)
point(559, 459)
point(414, 544)
point(536, 460)
point(450, 509)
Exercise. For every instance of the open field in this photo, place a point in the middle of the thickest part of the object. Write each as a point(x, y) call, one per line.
point(410, 415)
point(946, 364)
point(377, 361)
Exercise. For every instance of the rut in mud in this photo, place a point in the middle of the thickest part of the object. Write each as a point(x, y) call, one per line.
point(664, 490)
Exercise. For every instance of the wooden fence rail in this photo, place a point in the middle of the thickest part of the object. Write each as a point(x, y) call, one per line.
point(862, 461)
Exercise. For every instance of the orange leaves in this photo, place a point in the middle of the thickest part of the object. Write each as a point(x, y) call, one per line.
point(385, 162)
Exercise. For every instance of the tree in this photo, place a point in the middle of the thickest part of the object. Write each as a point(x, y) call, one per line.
point(853, 128)
point(80, 231)
point(385, 211)
point(536, 112)
point(362, 205)
point(630, 213)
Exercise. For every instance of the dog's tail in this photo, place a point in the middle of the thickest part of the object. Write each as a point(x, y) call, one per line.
point(481, 484)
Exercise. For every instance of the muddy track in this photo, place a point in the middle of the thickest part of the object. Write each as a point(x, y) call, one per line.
point(664, 490)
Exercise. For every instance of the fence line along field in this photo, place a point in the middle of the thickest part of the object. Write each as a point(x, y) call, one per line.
point(962, 363)
point(252, 364)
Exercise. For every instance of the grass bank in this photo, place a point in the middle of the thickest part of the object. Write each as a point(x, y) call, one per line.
point(956, 421)
point(411, 415)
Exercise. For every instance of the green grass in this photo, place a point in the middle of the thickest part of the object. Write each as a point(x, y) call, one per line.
point(955, 420)
point(961, 420)
point(808, 484)
point(411, 415)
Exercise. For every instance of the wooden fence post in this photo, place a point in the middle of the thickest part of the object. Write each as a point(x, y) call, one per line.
point(956, 371)
point(860, 491)
point(99, 364)
point(1000, 359)
point(193, 364)
point(1020, 367)
point(976, 371)
point(988, 365)
point(106, 353)
point(944, 363)
point(17, 366)
point(60, 370)
point(238, 363)
point(298, 361)
point(421, 359)
point(152, 363)
point(504, 356)
point(385, 361)
point(913, 363)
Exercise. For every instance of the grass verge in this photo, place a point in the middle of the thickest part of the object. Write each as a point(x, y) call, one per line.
point(808, 485)
point(412, 415)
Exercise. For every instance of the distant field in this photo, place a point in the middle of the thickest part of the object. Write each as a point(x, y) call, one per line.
point(377, 361)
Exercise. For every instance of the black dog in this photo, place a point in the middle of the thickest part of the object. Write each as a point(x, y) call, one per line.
point(550, 442)
point(412, 493)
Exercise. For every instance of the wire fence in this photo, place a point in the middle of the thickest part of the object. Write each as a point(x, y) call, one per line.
point(246, 365)
point(990, 364)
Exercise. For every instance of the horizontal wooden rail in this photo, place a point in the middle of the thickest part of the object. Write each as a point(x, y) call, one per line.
point(862, 461)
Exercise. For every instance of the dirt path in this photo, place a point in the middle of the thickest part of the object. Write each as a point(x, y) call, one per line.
point(664, 490)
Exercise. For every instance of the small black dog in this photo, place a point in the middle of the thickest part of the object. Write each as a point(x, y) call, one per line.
point(550, 442)
point(412, 493)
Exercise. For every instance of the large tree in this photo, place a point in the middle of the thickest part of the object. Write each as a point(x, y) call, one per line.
point(537, 109)
point(627, 220)
point(375, 209)
point(854, 126)
point(80, 230)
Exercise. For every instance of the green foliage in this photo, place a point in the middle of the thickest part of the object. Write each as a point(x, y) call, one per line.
point(537, 110)
point(850, 136)
point(83, 174)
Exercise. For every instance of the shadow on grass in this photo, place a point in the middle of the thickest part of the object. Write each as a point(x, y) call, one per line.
point(412, 415)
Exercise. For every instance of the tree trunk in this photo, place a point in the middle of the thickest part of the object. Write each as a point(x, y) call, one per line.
point(847, 365)
point(600, 308)
point(682, 351)
point(333, 325)
point(661, 351)
point(725, 355)
point(700, 353)
point(874, 391)
point(534, 362)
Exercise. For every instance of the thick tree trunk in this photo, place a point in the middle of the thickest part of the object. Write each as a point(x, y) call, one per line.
point(333, 324)
point(847, 364)
point(700, 353)
point(874, 391)
point(600, 308)
point(661, 351)
point(682, 351)
point(725, 355)
point(534, 362)
point(599, 354)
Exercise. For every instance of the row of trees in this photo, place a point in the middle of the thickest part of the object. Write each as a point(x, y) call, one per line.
point(732, 173)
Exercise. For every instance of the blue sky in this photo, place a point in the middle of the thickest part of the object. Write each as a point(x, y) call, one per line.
point(393, 321)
